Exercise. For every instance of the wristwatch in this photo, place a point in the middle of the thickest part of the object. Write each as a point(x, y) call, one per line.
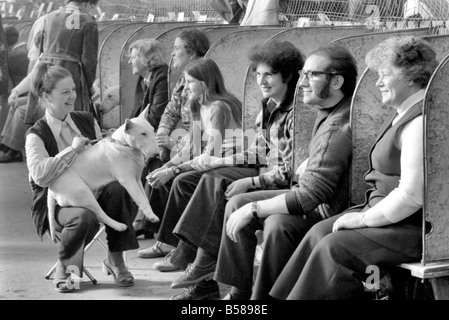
point(255, 210)
point(176, 170)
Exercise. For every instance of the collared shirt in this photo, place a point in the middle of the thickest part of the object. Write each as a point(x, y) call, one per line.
point(407, 198)
point(146, 81)
point(44, 169)
point(272, 148)
point(178, 108)
point(408, 103)
point(56, 126)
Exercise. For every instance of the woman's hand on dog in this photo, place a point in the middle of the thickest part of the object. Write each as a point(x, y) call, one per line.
point(79, 143)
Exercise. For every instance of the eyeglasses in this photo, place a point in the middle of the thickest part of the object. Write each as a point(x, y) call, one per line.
point(313, 75)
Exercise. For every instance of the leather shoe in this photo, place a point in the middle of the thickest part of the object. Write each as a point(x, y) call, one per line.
point(166, 265)
point(235, 295)
point(12, 156)
point(205, 290)
point(194, 274)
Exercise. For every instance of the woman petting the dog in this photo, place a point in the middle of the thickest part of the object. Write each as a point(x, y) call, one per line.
point(51, 145)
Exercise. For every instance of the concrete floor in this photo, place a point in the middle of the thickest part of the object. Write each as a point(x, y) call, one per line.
point(25, 260)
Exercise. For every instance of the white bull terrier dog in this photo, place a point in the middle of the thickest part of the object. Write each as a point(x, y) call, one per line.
point(111, 98)
point(118, 158)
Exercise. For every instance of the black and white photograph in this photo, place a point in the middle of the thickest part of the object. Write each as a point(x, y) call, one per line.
point(216, 150)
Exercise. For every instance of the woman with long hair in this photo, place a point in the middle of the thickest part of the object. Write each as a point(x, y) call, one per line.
point(214, 132)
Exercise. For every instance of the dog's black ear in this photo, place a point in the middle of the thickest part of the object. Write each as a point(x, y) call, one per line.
point(128, 125)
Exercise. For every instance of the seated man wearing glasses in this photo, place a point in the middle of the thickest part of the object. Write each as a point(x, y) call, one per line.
point(328, 80)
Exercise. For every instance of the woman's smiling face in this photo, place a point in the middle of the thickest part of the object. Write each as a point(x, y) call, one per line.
point(195, 86)
point(271, 84)
point(394, 88)
point(61, 100)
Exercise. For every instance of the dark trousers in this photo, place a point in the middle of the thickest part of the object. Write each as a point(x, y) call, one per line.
point(201, 223)
point(168, 203)
point(158, 199)
point(178, 192)
point(281, 235)
point(332, 265)
point(157, 206)
point(78, 226)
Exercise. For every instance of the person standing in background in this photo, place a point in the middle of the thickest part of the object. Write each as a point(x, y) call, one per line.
point(17, 56)
point(70, 40)
point(13, 133)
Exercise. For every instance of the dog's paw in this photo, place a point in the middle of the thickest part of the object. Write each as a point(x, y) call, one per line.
point(152, 217)
point(149, 214)
point(119, 226)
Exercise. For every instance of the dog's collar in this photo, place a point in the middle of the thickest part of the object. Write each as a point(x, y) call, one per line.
point(117, 142)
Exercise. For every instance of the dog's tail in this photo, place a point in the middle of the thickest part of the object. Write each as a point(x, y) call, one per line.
point(51, 205)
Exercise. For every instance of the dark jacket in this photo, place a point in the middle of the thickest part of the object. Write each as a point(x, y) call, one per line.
point(17, 63)
point(156, 96)
point(71, 41)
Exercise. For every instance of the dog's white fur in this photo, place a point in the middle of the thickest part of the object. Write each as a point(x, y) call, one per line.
point(118, 159)
point(111, 98)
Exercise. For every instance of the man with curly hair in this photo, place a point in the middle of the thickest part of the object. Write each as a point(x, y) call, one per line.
point(328, 81)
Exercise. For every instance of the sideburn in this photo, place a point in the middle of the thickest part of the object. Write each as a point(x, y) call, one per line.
point(325, 90)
